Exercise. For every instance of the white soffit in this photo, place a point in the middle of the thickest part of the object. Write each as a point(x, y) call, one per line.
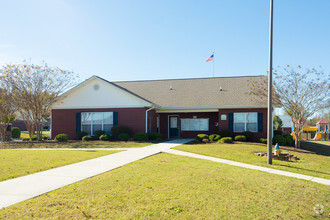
point(97, 93)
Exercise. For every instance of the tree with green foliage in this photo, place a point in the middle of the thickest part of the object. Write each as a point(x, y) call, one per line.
point(277, 123)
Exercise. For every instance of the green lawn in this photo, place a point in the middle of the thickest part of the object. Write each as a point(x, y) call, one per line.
point(309, 164)
point(15, 163)
point(25, 134)
point(319, 147)
point(75, 144)
point(173, 187)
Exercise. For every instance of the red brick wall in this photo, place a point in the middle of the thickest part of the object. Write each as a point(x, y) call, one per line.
point(224, 124)
point(64, 120)
point(213, 119)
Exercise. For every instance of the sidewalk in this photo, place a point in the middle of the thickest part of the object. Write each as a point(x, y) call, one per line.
point(26, 187)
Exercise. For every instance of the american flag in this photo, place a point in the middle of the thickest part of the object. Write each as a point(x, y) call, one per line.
point(210, 58)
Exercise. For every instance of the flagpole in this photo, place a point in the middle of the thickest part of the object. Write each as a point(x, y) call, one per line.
point(213, 63)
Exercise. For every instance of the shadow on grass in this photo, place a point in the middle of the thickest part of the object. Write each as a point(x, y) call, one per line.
point(298, 168)
point(318, 148)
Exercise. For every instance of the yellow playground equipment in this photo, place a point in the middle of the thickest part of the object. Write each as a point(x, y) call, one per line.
point(319, 136)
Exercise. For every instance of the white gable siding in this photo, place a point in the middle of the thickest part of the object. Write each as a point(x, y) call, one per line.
point(97, 93)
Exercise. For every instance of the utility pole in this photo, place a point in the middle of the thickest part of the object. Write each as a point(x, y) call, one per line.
point(270, 83)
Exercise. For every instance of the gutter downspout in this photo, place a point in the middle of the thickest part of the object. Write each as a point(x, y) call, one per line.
point(147, 117)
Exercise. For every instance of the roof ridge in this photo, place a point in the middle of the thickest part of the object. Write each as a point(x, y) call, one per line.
point(188, 78)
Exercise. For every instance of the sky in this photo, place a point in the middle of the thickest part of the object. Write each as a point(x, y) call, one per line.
point(128, 40)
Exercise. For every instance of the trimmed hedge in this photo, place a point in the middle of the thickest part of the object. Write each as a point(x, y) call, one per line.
point(97, 134)
point(226, 133)
point(26, 139)
point(61, 137)
point(45, 138)
point(81, 134)
point(123, 137)
point(248, 135)
point(34, 138)
point(202, 136)
point(155, 136)
point(241, 138)
point(105, 137)
point(140, 136)
point(15, 132)
point(280, 140)
point(87, 138)
point(205, 140)
point(226, 140)
point(288, 140)
point(263, 140)
point(214, 137)
point(119, 129)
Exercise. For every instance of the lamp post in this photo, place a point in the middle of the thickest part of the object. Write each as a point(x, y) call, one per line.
point(270, 73)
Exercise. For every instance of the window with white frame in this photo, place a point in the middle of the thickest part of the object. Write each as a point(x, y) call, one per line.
point(194, 124)
point(246, 122)
point(93, 121)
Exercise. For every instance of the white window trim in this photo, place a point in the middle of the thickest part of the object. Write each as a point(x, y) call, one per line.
point(245, 122)
point(92, 129)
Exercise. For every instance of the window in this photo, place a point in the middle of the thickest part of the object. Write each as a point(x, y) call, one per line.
point(195, 124)
point(93, 121)
point(246, 122)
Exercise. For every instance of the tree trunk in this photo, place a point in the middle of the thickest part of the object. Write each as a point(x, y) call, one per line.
point(3, 132)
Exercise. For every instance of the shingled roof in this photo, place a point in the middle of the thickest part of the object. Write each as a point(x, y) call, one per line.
point(203, 92)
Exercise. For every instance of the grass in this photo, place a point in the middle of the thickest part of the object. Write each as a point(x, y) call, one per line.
point(309, 164)
point(74, 144)
point(25, 134)
point(173, 187)
point(15, 163)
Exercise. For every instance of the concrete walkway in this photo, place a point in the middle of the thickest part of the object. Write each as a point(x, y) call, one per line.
point(26, 187)
point(249, 166)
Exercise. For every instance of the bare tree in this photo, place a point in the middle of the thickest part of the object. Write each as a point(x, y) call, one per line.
point(36, 87)
point(7, 110)
point(300, 92)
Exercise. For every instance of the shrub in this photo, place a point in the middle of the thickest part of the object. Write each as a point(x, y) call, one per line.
point(202, 136)
point(248, 135)
point(277, 132)
point(226, 133)
point(288, 140)
point(117, 130)
point(61, 137)
point(263, 140)
point(241, 138)
point(214, 137)
point(155, 136)
point(87, 138)
point(45, 138)
point(15, 132)
point(34, 138)
point(81, 134)
point(205, 140)
point(279, 139)
point(123, 137)
point(105, 137)
point(97, 134)
point(226, 140)
point(26, 139)
point(140, 136)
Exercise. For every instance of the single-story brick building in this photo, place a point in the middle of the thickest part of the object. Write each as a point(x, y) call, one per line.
point(179, 108)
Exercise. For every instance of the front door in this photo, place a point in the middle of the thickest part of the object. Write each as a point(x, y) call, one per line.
point(174, 126)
